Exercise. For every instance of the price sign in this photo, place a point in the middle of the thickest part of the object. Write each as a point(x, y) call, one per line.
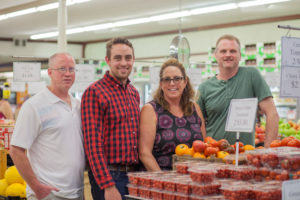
point(80, 87)
point(35, 87)
point(26, 71)
point(272, 79)
point(290, 67)
point(195, 75)
point(85, 73)
point(290, 51)
point(290, 190)
point(241, 115)
point(18, 87)
point(154, 75)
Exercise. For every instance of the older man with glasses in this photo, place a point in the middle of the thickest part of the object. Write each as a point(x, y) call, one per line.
point(49, 129)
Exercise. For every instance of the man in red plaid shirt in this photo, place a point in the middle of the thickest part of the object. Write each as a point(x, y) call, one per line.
point(110, 117)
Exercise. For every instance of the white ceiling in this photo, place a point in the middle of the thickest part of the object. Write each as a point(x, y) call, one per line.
point(104, 11)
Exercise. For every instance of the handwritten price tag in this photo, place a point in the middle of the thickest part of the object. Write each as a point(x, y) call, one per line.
point(290, 51)
point(290, 67)
point(85, 73)
point(26, 71)
point(241, 115)
point(290, 190)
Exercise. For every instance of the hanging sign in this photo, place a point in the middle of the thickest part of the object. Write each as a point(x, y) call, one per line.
point(154, 77)
point(35, 87)
point(241, 115)
point(290, 190)
point(26, 71)
point(80, 86)
point(195, 76)
point(272, 79)
point(18, 87)
point(290, 67)
point(85, 73)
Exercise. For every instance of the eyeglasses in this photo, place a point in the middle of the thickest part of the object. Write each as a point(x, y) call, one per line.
point(65, 69)
point(168, 80)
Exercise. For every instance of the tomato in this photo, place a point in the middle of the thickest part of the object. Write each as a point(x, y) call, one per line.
point(189, 151)
point(286, 140)
point(210, 151)
point(180, 149)
point(275, 143)
point(294, 143)
point(222, 154)
point(223, 144)
point(198, 146)
point(259, 129)
point(249, 147)
point(256, 141)
point(240, 145)
point(209, 140)
point(199, 155)
point(230, 150)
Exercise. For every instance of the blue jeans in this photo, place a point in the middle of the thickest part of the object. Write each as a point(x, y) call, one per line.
point(120, 178)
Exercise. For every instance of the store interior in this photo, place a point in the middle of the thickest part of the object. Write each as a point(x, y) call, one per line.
point(256, 26)
point(31, 31)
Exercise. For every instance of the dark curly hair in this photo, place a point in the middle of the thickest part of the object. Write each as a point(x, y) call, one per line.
point(187, 97)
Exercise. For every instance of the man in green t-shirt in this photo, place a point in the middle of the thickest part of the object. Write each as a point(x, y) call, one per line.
point(234, 82)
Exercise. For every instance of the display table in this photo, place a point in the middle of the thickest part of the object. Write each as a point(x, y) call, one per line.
point(3, 162)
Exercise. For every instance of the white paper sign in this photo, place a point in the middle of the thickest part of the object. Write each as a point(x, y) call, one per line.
point(290, 190)
point(290, 51)
point(154, 75)
point(17, 87)
point(241, 115)
point(80, 87)
point(35, 87)
point(290, 67)
point(290, 82)
point(26, 71)
point(195, 75)
point(272, 79)
point(85, 73)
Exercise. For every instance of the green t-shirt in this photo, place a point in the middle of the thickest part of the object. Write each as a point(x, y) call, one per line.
point(215, 96)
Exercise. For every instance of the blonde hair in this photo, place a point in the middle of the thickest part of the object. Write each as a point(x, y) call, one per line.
point(228, 37)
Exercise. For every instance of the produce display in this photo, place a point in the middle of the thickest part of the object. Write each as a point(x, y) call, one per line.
point(258, 178)
point(204, 181)
point(13, 185)
point(210, 149)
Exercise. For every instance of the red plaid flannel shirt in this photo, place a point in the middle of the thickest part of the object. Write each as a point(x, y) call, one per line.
point(110, 118)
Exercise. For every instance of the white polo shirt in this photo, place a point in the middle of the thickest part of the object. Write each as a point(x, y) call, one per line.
point(50, 130)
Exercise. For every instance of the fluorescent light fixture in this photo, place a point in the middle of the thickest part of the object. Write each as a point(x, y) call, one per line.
point(47, 7)
point(98, 27)
point(39, 9)
point(74, 30)
point(72, 2)
point(214, 9)
point(167, 16)
point(132, 22)
point(2, 17)
point(170, 16)
point(258, 3)
point(21, 12)
point(44, 35)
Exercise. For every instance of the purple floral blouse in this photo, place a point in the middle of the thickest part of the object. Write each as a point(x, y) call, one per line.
point(171, 131)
